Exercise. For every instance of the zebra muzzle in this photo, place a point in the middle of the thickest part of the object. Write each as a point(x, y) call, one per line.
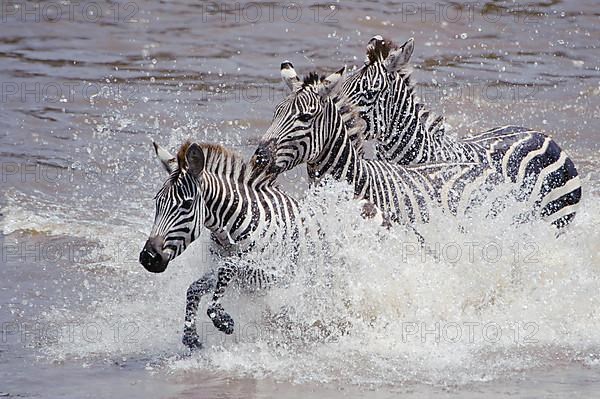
point(262, 156)
point(152, 257)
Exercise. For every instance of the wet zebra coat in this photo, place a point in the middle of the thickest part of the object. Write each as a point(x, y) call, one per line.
point(210, 187)
point(308, 128)
point(407, 133)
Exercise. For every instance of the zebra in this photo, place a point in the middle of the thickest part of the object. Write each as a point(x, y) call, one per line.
point(212, 187)
point(407, 133)
point(308, 127)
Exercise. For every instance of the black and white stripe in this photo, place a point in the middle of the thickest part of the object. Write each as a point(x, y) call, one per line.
point(407, 134)
point(308, 128)
point(213, 188)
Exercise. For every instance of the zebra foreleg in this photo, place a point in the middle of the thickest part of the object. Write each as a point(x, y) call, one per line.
point(221, 319)
point(250, 277)
point(194, 294)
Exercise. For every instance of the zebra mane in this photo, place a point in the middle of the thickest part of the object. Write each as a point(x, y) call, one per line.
point(216, 156)
point(431, 122)
point(312, 79)
point(355, 125)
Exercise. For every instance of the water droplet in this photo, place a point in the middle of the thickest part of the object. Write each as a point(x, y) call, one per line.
point(463, 35)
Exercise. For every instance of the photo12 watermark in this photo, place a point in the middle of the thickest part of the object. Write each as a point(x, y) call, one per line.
point(89, 332)
point(469, 332)
point(63, 92)
point(467, 12)
point(468, 252)
point(58, 250)
point(269, 12)
point(23, 11)
point(480, 93)
point(90, 172)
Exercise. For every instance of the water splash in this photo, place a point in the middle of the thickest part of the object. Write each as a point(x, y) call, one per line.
point(375, 308)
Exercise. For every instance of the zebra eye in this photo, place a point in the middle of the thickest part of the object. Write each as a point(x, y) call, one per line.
point(187, 204)
point(305, 117)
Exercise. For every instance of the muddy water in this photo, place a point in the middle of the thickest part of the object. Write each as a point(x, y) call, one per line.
point(85, 86)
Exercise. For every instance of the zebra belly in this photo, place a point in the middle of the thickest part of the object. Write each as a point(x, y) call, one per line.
point(409, 194)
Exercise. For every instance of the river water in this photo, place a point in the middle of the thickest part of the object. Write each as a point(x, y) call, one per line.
point(496, 311)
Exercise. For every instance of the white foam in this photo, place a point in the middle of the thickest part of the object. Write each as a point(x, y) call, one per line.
point(373, 308)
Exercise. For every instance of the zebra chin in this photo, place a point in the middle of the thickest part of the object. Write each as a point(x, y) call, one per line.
point(152, 256)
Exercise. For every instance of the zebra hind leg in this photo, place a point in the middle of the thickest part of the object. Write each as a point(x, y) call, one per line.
point(194, 294)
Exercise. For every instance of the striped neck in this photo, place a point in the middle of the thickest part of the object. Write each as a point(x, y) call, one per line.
point(225, 183)
point(405, 129)
point(334, 151)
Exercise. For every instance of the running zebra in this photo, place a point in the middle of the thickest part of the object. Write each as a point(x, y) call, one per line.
point(212, 187)
point(308, 128)
point(407, 133)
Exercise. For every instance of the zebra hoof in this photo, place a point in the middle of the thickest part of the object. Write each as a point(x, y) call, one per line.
point(191, 341)
point(221, 320)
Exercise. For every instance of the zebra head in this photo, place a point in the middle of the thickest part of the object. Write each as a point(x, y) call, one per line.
point(364, 87)
point(180, 211)
point(297, 120)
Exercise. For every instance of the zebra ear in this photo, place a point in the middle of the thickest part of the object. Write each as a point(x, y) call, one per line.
point(289, 75)
point(195, 159)
point(399, 58)
point(332, 83)
point(167, 160)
